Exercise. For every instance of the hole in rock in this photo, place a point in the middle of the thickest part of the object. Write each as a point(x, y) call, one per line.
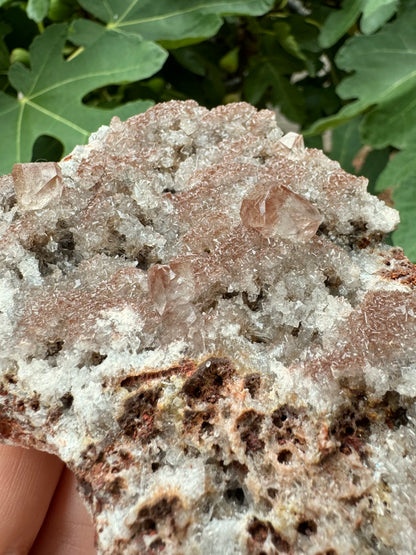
point(67, 401)
point(54, 347)
point(395, 414)
point(144, 260)
point(272, 492)
point(235, 495)
point(284, 416)
point(307, 527)
point(285, 456)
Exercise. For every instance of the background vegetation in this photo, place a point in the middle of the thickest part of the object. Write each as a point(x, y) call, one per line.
point(68, 66)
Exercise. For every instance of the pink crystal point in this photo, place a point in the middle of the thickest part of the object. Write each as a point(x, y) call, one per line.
point(170, 284)
point(276, 210)
point(37, 184)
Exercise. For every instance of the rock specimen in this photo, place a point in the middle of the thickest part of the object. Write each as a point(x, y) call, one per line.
point(198, 315)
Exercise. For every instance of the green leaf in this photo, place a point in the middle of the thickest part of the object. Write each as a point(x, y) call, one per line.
point(265, 76)
point(392, 122)
point(349, 150)
point(400, 176)
point(37, 9)
point(229, 62)
point(346, 143)
point(405, 201)
point(338, 22)
point(400, 170)
point(376, 13)
point(170, 20)
point(50, 94)
point(384, 75)
point(287, 40)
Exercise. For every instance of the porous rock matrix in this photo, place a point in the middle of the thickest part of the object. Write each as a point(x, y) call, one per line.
point(199, 316)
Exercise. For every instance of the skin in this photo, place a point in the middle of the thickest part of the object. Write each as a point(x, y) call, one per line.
point(41, 512)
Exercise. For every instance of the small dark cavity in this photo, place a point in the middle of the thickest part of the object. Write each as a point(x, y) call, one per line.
point(157, 546)
point(282, 416)
point(34, 404)
point(235, 495)
point(307, 527)
point(284, 456)
point(10, 378)
point(295, 331)
point(169, 190)
point(92, 358)
point(54, 347)
point(255, 338)
point(67, 401)
point(253, 304)
point(272, 493)
point(96, 358)
point(395, 413)
point(252, 382)
point(332, 282)
point(66, 242)
point(9, 202)
point(155, 466)
point(144, 260)
point(230, 295)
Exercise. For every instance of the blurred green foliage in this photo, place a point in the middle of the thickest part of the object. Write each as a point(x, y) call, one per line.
point(342, 69)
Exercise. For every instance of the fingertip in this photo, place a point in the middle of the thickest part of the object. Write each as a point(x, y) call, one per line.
point(27, 482)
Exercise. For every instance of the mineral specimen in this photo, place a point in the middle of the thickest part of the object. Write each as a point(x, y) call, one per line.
point(199, 316)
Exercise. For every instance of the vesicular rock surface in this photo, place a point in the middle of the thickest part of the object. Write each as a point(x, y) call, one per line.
point(198, 315)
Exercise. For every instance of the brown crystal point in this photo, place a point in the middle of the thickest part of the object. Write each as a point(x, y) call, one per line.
point(37, 184)
point(276, 210)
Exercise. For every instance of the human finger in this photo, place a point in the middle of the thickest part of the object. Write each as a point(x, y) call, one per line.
point(67, 529)
point(28, 479)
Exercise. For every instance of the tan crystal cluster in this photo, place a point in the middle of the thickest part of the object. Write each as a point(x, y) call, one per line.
point(198, 315)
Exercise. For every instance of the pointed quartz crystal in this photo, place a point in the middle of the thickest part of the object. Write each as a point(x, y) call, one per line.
point(37, 185)
point(276, 211)
point(170, 284)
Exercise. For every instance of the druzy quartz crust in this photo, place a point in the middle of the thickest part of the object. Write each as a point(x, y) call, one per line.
point(199, 316)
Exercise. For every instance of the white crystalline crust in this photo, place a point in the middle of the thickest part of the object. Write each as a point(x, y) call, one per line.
point(217, 385)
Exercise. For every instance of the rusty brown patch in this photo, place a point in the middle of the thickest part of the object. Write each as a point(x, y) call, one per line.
point(159, 517)
point(206, 383)
point(137, 420)
point(249, 425)
point(134, 381)
point(399, 268)
point(197, 420)
point(252, 382)
point(259, 531)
